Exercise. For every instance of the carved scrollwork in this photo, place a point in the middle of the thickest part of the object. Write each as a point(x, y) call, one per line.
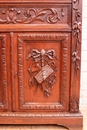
point(43, 74)
point(30, 15)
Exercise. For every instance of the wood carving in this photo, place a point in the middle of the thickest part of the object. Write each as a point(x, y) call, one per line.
point(76, 4)
point(77, 34)
point(39, 56)
point(40, 115)
point(76, 55)
point(12, 67)
point(74, 106)
point(30, 15)
point(76, 60)
point(44, 75)
point(4, 104)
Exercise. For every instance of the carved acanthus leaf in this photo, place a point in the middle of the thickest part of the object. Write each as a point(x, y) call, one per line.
point(30, 15)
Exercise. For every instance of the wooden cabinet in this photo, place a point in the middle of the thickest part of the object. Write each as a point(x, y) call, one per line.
point(40, 54)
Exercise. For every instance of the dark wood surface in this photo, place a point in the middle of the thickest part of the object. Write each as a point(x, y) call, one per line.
point(40, 62)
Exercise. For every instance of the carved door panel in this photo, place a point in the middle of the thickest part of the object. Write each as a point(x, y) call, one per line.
point(41, 70)
point(5, 99)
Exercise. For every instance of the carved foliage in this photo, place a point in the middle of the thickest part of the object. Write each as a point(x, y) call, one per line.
point(30, 15)
point(76, 46)
point(4, 104)
point(74, 106)
point(22, 39)
point(77, 25)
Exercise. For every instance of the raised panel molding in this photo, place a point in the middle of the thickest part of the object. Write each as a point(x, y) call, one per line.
point(4, 104)
point(22, 39)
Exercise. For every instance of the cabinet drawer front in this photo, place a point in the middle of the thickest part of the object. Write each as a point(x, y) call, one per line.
point(49, 14)
point(43, 69)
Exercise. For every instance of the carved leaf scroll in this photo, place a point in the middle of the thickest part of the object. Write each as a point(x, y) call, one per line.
point(43, 74)
point(30, 15)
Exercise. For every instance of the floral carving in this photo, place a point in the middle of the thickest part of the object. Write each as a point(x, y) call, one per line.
point(30, 15)
point(11, 15)
point(43, 75)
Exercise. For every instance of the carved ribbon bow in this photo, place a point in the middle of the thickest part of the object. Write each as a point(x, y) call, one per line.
point(36, 55)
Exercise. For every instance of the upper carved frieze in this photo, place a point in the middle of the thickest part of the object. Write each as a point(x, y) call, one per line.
point(33, 15)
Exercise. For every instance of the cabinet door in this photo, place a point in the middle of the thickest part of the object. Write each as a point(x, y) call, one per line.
point(5, 102)
point(42, 71)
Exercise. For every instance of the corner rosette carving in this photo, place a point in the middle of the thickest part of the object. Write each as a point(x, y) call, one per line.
point(42, 70)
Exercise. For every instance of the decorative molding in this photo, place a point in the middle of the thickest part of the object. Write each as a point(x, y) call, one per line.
point(31, 15)
point(64, 70)
point(4, 104)
point(44, 36)
point(43, 73)
point(74, 104)
point(12, 68)
point(32, 115)
point(23, 39)
point(20, 71)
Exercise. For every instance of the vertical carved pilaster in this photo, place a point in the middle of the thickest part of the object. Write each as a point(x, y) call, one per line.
point(76, 55)
point(12, 68)
point(4, 104)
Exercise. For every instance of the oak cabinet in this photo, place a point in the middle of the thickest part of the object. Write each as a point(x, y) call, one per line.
point(40, 54)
